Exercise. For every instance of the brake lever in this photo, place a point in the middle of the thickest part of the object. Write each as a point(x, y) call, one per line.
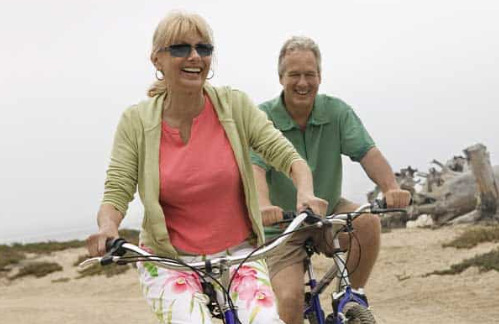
point(89, 263)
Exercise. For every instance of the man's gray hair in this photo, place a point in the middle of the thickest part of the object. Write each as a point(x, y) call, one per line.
point(301, 43)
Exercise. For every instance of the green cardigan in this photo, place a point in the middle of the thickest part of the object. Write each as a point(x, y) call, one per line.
point(135, 158)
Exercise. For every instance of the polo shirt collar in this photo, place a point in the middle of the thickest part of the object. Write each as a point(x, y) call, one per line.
point(283, 121)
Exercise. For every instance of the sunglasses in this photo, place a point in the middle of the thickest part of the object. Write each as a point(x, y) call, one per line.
point(184, 50)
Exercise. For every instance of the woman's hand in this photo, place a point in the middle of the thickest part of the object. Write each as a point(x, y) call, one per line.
point(109, 220)
point(304, 183)
point(318, 205)
point(96, 243)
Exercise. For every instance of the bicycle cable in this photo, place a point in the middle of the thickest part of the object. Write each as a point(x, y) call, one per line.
point(202, 274)
point(264, 245)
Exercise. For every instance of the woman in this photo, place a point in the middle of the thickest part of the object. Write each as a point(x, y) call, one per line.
point(187, 151)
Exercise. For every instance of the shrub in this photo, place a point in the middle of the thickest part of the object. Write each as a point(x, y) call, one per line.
point(484, 262)
point(473, 236)
point(37, 269)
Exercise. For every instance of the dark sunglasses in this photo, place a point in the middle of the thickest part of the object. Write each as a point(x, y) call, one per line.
point(184, 50)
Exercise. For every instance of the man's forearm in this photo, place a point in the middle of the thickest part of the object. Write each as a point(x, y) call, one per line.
point(378, 169)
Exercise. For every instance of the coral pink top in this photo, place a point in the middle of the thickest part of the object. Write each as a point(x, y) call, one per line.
point(201, 191)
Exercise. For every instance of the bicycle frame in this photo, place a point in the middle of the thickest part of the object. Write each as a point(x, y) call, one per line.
point(344, 293)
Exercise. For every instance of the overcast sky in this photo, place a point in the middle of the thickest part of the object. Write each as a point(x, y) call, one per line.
point(422, 75)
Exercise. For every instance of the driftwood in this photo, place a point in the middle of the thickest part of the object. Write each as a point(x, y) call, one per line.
point(454, 197)
point(487, 189)
point(455, 192)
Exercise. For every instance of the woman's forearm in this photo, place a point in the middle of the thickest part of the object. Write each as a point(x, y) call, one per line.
point(302, 177)
point(109, 219)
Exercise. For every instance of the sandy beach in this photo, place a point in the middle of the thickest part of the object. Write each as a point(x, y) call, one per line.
point(397, 291)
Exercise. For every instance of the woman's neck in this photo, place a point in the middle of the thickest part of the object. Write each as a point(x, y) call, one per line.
point(183, 107)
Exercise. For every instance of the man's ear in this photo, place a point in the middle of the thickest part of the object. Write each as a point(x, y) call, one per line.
point(280, 80)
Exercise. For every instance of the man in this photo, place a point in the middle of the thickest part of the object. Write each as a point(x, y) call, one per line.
point(322, 128)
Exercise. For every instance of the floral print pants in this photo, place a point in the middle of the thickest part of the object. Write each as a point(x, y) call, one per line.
point(176, 297)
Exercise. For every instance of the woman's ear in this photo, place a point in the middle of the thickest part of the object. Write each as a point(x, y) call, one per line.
point(155, 61)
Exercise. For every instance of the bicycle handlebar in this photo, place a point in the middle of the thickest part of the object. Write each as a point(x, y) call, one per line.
point(117, 248)
point(377, 207)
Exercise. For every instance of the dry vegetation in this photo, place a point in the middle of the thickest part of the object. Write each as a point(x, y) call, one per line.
point(474, 236)
point(20, 260)
point(469, 239)
point(37, 269)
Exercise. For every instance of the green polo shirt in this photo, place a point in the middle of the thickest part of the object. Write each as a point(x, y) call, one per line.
point(332, 129)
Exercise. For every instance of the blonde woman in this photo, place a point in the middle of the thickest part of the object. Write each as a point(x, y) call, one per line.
point(186, 149)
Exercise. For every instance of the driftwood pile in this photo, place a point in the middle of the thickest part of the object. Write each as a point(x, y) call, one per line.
point(465, 189)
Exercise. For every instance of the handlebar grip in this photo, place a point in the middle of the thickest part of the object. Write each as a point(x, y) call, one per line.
point(114, 246)
point(288, 215)
point(380, 203)
point(311, 217)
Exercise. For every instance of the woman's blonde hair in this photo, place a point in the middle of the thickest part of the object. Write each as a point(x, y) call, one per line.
point(172, 29)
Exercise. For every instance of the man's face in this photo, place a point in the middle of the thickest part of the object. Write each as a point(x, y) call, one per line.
point(300, 79)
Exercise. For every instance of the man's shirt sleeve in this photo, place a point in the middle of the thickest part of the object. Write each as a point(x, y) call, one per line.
point(355, 140)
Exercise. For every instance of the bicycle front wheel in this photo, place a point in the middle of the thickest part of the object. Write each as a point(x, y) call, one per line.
point(358, 314)
point(312, 318)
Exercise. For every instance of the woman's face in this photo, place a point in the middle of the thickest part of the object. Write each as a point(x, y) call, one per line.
point(185, 69)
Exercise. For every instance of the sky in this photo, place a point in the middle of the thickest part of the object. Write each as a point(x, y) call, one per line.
point(422, 75)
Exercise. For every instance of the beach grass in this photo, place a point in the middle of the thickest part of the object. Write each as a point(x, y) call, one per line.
point(37, 269)
point(484, 262)
point(474, 236)
point(23, 257)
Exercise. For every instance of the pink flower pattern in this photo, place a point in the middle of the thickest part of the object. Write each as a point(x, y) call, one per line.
point(262, 296)
point(246, 285)
point(181, 281)
point(245, 281)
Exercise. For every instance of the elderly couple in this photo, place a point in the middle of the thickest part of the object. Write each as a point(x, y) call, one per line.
point(214, 172)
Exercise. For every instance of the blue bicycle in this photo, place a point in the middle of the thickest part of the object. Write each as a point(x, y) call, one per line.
point(349, 305)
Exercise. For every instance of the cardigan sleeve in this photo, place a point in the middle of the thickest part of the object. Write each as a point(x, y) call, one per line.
point(122, 173)
point(266, 140)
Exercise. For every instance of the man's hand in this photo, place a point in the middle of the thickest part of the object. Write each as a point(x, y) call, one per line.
point(271, 215)
point(397, 198)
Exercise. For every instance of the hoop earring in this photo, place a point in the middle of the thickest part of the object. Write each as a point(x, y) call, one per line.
point(212, 75)
point(161, 74)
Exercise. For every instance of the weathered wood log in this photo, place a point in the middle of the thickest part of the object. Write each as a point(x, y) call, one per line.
point(471, 217)
point(456, 197)
point(487, 189)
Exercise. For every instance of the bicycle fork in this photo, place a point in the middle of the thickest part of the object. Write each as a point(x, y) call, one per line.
point(345, 294)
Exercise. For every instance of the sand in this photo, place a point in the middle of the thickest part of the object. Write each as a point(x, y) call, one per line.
point(397, 290)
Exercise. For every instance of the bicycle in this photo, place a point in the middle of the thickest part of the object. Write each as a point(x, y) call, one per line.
point(217, 269)
point(349, 305)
